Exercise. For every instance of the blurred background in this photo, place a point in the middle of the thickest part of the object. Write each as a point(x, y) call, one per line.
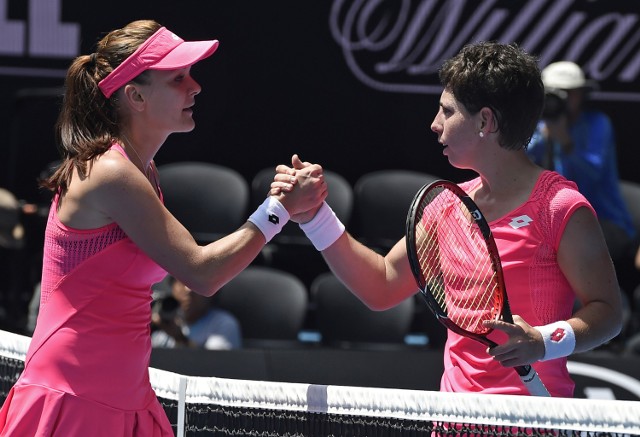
point(351, 84)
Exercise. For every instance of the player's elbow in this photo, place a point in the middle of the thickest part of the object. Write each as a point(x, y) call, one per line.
point(617, 325)
point(380, 303)
point(615, 321)
point(206, 284)
point(377, 306)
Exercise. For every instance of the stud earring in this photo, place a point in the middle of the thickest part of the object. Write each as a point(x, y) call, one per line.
point(481, 134)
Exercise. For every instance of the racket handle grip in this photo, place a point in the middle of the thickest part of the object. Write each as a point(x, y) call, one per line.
point(533, 383)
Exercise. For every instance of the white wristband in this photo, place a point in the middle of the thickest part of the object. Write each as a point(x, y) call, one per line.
point(324, 229)
point(559, 339)
point(270, 217)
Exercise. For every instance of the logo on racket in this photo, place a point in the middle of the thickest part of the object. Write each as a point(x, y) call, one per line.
point(476, 214)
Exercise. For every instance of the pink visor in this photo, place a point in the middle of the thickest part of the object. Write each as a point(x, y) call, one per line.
point(164, 50)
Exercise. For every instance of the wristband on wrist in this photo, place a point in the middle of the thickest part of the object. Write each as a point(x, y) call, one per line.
point(559, 339)
point(270, 217)
point(324, 229)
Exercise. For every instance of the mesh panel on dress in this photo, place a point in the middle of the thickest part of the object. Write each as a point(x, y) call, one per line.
point(66, 249)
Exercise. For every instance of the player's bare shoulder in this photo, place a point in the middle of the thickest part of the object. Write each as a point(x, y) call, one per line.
point(112, 170)
point(91, 196)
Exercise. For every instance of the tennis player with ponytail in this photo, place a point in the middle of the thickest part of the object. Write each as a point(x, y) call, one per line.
point(109, 238)
point(551, 248)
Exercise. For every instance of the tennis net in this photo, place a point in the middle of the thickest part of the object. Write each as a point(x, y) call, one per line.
point(210, 406)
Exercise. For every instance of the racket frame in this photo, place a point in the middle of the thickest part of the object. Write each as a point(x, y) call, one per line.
point(526, 372)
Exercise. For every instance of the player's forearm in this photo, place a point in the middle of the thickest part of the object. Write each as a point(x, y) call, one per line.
point(595, 324)
point(220, 261)
point(363, 271)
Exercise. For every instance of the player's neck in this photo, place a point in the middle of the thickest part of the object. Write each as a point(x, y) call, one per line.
point(506, 187)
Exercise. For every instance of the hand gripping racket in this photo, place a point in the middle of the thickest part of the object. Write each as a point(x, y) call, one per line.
point(456, 264)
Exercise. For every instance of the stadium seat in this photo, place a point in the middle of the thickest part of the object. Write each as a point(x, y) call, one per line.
point(270, 305)
point(381, 202)
point(210, 200)
point(344, 321)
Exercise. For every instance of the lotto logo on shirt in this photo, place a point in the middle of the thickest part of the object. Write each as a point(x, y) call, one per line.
point(520, 221)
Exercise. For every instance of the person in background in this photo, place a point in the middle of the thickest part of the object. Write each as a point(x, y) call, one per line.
point(11, 242)
point(11, 228)
point(579, 143)
point(109, 238)
point(551, 246)
point(188, 319)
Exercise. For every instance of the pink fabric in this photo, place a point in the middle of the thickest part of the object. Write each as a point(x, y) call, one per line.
point(164, 50)
point(86, 371)
point(537, 289)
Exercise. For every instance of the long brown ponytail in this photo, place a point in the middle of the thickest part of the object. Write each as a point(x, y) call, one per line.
point(88, 122)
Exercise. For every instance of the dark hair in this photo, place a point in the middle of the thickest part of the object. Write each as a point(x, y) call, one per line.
point(502, 77)
point(88, 122)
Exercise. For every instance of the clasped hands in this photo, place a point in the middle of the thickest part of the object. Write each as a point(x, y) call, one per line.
point(301, 188)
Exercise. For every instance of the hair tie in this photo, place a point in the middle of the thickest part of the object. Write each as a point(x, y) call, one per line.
point(93, 57)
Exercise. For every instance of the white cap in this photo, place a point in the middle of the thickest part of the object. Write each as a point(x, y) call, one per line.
point(565, 75)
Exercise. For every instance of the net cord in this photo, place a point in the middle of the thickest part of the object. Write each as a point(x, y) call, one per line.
point(586, 415)
point(14, 346)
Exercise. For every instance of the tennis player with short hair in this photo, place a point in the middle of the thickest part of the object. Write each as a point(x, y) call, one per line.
point(109, 238)
point(548, 237)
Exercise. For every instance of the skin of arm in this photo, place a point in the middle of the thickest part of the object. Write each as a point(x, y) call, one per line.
point(380, 282)
point(116, 191)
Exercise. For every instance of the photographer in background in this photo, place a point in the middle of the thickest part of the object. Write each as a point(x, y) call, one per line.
point(579, 143)
point(185, 318)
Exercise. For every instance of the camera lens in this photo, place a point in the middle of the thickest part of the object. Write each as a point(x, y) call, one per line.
point(555, 105)
point(167, 308)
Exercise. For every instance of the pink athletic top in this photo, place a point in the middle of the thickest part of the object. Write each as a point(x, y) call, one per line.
point(86, 371)
point(528, 239)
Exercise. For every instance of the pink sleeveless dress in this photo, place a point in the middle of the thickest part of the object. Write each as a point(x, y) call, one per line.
point(86, 371)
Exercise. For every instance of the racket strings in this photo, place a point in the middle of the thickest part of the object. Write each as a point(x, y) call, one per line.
point(456, 263)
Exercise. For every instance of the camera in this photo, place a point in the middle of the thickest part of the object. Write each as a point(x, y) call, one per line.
point(555, 104)
point(167, 308)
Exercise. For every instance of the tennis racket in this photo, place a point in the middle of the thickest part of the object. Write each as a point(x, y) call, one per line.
point(456, 264)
